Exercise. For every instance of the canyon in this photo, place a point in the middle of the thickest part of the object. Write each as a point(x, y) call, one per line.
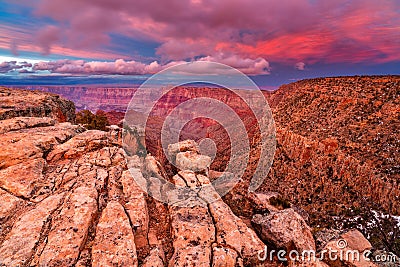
point(66, 189)
point(73, 197)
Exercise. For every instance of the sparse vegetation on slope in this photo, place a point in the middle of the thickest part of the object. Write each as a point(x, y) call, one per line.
point(97, 121)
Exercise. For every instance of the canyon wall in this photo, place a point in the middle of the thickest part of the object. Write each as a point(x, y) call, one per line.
point(337, 144)
point(92, 98)
point(341, 128)
point(338, 152)
point(19, 103)
point(67, 198)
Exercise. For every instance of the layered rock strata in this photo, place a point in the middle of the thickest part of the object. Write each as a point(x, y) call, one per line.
point(73, 197)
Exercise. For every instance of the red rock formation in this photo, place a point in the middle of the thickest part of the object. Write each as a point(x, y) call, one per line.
point(337, 148)
point(66, 194)
point(338, 151)
point(20, 103)
point(69, 200)
point(92, 98)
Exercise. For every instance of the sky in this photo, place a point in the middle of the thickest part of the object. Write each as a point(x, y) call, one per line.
point(126, 41)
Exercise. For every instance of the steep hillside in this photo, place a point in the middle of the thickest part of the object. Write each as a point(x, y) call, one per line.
point(361, 113)
point(338, 152)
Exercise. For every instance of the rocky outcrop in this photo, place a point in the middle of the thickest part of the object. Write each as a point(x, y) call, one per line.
point(286, 229)
point(72, 197)
point(336, 152)
point(206, 231)
point(68, 199)
point(352, 245)
point(233, 240)
point(21, 103)
point(56, 208)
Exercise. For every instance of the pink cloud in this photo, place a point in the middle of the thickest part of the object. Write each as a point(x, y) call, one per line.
point(248, 34)
point(119, 66)
point(8, 66)
point(175, 49)
point(246, 65)
point(47, 36)
point(122, 67)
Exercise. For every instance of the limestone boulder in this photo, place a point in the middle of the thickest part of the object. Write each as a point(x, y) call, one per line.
point(191, 160)
point(352, 246)
point(183, 146)
point(285, 229)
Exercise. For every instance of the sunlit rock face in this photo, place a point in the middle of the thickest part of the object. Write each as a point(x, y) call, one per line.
point(20, 103)
point(67, 197)
point(337, 147)
point(92, 98)
point(337, 152)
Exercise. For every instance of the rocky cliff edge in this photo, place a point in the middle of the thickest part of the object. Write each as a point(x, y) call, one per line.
point(67, 198)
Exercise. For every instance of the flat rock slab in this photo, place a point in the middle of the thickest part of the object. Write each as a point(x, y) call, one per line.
point(23, 179)
point(114, 244)
point(19, 245)
point(135, 205)
point(19, 123)
point(70, 229)
point(8, 204)
point(79, 144)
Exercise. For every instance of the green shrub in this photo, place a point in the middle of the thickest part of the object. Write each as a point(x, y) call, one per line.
point(92, 121)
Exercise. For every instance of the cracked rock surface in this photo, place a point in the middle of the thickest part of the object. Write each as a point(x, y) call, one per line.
point(68, 197)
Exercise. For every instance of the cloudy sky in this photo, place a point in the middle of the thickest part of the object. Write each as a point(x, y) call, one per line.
point(274, 42)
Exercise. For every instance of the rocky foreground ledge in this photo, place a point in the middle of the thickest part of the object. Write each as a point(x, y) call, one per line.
point(67, 198)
